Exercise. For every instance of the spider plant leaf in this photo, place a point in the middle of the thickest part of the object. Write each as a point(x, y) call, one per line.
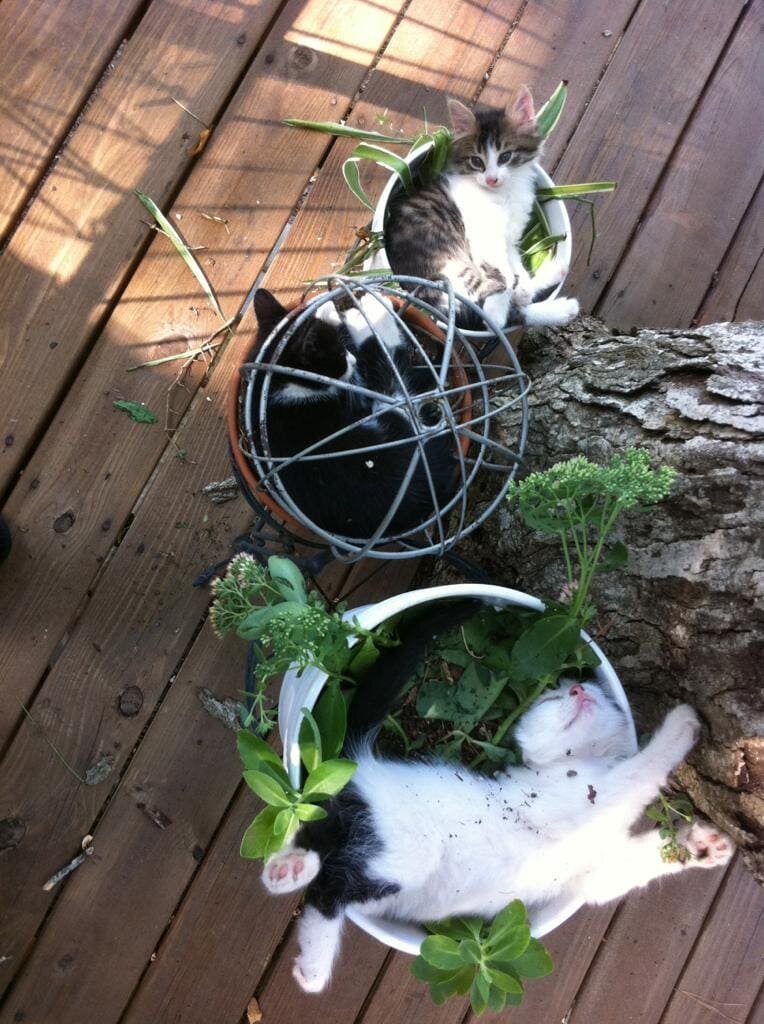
point(351, 174)
point(550, 112)
point(385, 158)
point(346, 131)
point(572, 191)
point(188, 257)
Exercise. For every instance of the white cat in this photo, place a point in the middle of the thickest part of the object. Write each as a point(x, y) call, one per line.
point(424, 841)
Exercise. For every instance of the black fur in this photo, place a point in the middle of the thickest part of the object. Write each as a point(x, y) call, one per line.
point(346, 840)
point(350, 495)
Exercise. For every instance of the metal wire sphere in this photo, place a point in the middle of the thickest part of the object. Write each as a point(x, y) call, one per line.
point(467, 393)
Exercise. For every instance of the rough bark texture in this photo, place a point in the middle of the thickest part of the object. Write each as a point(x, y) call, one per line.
point(682, 621)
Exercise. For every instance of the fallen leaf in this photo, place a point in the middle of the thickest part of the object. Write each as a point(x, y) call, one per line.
point(201, 142)
point(136, 410)
point(254, 1013)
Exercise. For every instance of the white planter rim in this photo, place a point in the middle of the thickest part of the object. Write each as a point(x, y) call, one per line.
point(302, 691)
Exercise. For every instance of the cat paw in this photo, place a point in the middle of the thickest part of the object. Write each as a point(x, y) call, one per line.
point(681, 729)
point(709, 847)
point(522, 295)
point(308, 977)
point(290, 870)
point(497, 307)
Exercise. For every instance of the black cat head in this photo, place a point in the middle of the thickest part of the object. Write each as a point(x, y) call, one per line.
point(318, 345)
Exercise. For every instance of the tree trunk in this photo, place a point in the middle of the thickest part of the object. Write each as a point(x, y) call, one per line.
point(680, 622)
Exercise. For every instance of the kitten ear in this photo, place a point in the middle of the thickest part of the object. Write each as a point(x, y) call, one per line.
point(268, 310)
point(521, 111)
point(462, 119)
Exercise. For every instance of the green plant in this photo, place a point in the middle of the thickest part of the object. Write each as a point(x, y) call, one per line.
point(579, 502)
point(668, 812)
point(286, 806)
point(487, 960)
point(288, 626)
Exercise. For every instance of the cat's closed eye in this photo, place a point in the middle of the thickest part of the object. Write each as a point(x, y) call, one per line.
point(477, 163)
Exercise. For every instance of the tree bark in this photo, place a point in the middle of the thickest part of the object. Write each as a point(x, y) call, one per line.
point(682, 621)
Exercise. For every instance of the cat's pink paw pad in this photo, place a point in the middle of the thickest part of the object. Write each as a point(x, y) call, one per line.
point(289, 870)
point(710, 847)
point(309, 981)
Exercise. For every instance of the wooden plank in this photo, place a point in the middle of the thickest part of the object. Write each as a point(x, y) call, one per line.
point(664, 275)
point(88, 472)
point(653, 933)
point(55, 53)
point(737, 289)
point(723, 976)
point(564, 39)
point(68, 260)
point(146, 613)
point(148, 845)
point(403, 999)
point(632, 124)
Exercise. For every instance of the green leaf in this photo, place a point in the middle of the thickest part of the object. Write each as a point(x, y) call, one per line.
point(135, 410)
point(352, 175)
point(268, 789)
point(544, 647)
point(457, 928)
point(311, 748)
point(616, 558)
point(253, 750)
point(535, 962)
point(346, 131)
point(423, 971)
point(506, 982)
point(497, 1000)
point(188, 257)
point(256, 622)
point(330, 720)
point(255, 841)
point(572, 191)
point(310, 812)
point(456, 984)
point(470, 951)
point(479, 993)
point(288, 579)
point(442, 952)
point(385, 158)
point(549, 114)
point(283, 820)
point(328, 779)
point(512, 917)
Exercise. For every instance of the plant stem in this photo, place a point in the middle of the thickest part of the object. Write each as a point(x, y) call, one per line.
point(523, 706)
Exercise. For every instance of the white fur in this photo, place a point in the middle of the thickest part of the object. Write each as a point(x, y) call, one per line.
point(495, 218)
point(459, 843)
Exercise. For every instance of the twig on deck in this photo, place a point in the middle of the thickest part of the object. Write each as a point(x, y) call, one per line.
point(74, 863)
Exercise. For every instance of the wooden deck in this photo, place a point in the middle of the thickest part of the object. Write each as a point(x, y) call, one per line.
point(103, 638)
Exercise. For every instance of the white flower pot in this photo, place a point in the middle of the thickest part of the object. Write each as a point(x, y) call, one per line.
point(303, 691)
point(556, 214)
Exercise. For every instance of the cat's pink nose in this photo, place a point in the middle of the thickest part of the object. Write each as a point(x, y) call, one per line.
point(490, 180)
point(577, 691)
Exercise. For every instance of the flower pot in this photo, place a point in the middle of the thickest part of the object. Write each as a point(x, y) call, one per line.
point(298, 692)
point(265, 497)
point(556, 214)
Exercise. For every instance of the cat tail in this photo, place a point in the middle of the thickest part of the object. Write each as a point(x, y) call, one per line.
point(379, 690)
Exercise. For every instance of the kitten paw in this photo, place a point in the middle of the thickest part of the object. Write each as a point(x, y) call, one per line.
point(308, 978)
point(523, 295)
point(709, 847)
point(681, 729)
point(290, 870)
point(497, 307)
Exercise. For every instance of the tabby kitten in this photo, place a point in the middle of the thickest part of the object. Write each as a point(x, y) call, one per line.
point(467, 224)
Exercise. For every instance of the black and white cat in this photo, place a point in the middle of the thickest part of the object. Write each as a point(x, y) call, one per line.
point(466, 226)
point(422, 841)
point(350, 495)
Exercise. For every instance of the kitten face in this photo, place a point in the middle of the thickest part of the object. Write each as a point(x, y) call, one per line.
point(490, 144)
point(577, 720)
point(317, 346)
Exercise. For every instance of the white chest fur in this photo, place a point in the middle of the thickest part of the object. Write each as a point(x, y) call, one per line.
point(495, 219)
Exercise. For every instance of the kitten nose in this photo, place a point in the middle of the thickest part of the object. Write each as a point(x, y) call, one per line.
point(576, 690)
point(491, 180)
